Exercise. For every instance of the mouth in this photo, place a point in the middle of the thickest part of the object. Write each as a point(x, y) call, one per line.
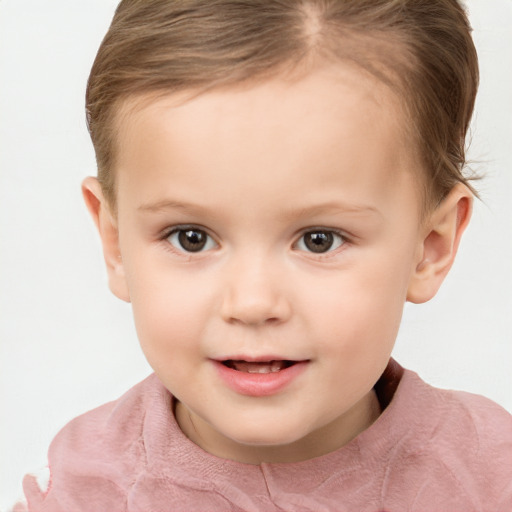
point(261, 376)
point(258, 367)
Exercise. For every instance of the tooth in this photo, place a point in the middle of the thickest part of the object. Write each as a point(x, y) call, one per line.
point(258, 367)
point(276, 366)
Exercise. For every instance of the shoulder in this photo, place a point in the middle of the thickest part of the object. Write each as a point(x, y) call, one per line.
point(111, 428)
point(95, 458)
point(466, 440)
point(467, 416)
point(482, 430)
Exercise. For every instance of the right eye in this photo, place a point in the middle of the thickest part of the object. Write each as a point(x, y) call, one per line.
point(191, 240)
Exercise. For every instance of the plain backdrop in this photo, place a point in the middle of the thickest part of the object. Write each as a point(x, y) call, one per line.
point(67, 345)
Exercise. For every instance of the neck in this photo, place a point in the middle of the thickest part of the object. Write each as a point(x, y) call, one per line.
point(324, 440)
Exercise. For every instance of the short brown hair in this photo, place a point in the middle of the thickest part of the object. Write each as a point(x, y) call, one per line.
point(421, 48)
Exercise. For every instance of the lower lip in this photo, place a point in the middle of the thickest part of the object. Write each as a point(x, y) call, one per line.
point(259, 384)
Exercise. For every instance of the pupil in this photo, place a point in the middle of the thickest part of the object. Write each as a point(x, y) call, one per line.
point(192, 240)
point(319, 241)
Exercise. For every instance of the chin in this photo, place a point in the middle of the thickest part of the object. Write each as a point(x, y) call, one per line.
point(266, 435)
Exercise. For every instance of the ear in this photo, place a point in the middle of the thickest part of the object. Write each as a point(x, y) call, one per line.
point(439, 244)
point(107, 228)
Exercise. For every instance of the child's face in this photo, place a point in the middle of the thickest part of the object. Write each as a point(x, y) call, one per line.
point(274, 223)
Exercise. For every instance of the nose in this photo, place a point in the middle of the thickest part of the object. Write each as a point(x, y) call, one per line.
point(255, 294)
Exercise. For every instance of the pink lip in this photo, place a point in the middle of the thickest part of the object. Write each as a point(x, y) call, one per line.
point(258, 384)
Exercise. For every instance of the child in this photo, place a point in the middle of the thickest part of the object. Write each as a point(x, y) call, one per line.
point(275, 180)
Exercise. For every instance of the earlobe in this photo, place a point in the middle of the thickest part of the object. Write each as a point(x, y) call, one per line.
point(107, 228)
point(439, 244)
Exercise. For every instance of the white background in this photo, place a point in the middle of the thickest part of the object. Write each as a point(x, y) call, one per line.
point(67, 345)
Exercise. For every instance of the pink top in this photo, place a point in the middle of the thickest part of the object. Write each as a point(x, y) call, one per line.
point(430, 450)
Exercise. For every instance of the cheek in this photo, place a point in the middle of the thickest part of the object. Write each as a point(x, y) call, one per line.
point(169, 307)
point(360, 309)
point(169, 328)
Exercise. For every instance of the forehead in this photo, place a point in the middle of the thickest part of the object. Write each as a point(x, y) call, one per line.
point(330, 120)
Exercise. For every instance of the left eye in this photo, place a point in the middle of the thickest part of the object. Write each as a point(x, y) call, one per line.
point(191, 240)
point(320, 241)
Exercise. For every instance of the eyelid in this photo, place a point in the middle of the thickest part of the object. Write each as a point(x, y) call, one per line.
point(167, 231)
point(336, 231)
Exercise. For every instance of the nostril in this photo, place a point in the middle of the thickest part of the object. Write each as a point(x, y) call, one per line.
point(253, 318)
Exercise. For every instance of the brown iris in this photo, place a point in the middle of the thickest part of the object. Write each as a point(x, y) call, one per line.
point(192, 240)
point(318, 241)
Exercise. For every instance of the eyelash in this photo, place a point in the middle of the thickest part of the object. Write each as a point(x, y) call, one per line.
point(334, 236)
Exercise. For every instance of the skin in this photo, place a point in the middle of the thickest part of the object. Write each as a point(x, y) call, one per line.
point(257, 168)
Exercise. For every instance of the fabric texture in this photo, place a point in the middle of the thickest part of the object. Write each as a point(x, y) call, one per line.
point(430, 450)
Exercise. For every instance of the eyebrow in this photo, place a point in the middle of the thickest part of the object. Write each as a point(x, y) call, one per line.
point(336, 207)
point(167, 204)
point(317, 209)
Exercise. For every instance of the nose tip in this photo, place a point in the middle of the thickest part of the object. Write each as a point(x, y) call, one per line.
point(255, 303)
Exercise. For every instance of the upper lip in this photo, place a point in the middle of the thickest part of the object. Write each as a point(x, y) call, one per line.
point(258, 359)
